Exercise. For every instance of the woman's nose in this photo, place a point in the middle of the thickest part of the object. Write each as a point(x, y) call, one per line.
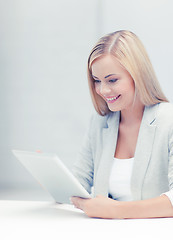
point(104, 89)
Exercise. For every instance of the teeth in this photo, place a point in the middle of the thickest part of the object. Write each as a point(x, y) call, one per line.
point(110, 99)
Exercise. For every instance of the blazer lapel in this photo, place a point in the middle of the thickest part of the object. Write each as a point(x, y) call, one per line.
point(109, 140)
point(143, 150)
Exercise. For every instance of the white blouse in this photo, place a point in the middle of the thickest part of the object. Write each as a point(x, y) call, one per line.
point(120, 178)
point(119, 181)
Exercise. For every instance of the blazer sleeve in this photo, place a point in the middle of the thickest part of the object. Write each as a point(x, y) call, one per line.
point(83, 168)
point(169, 194)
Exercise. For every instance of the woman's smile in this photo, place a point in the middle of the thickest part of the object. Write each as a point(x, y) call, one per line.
point(112, 99)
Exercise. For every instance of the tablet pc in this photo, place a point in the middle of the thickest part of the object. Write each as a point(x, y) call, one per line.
point(52, 175)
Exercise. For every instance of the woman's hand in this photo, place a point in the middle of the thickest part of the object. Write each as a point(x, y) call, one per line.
point(99, 207)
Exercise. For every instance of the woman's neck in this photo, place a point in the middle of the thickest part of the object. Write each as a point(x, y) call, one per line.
point(132, 115)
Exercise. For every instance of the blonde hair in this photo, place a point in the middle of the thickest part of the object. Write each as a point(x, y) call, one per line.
point(130, 52)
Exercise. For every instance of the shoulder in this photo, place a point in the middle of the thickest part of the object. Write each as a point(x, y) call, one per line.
point(166, 106)
point(165, 110)
point(165, 114)
point(160, 114)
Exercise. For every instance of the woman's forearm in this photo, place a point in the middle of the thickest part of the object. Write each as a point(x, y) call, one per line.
point(150, 208)
point(103, 207)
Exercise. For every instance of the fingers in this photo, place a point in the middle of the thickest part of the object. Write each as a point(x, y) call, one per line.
point(78, 202)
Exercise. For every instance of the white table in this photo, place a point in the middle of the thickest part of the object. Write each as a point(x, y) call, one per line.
point(48, 220)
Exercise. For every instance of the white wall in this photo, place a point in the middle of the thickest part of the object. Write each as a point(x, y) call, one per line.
point(45, 102)
point(44, 45)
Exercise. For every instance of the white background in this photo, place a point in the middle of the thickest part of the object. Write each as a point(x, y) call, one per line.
point(44, 46)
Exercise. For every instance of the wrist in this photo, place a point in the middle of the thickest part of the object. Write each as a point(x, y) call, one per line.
point(129, 209)
point(119, 209)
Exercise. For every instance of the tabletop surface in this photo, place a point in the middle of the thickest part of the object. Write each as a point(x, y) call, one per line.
point(48, 220)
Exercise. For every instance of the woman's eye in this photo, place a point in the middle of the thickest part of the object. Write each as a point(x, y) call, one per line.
point(113, 80)
point(96, 81)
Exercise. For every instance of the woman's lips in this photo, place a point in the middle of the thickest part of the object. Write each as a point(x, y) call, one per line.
point(112, 99)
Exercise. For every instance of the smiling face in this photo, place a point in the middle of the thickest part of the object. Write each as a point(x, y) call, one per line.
point(113, 83)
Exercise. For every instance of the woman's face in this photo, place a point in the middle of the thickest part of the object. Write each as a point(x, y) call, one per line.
point(113, 83)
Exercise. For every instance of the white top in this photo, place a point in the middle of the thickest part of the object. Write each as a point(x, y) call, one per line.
point(119, 181)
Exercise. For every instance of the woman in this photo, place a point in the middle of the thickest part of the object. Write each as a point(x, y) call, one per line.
point(127, 155)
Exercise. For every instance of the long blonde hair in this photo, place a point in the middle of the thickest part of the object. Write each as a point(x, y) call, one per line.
point(130, 52)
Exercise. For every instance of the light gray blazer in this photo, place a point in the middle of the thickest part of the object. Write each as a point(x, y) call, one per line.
point(153, 161)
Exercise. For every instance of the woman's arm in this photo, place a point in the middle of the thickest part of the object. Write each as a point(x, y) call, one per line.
point(102, 207)
point(150, 208)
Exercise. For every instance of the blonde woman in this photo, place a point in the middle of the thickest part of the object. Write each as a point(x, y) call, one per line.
point(127, 154)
